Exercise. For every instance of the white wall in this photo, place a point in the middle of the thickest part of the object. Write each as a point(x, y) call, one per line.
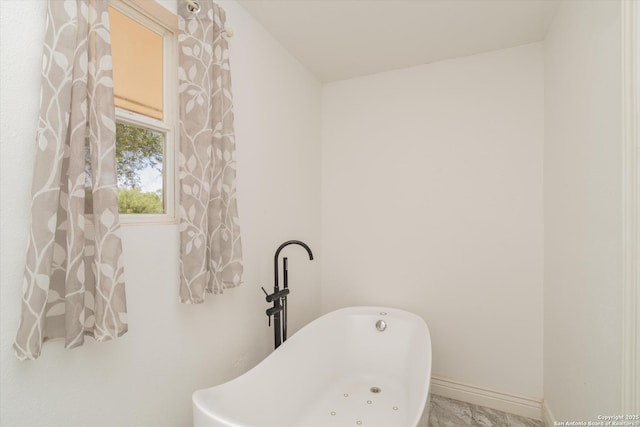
point(432, 202)
point(583, 281)
point(146, 378)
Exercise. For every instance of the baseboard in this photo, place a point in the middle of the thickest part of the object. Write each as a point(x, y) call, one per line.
point(518, 405)
point(547, 416)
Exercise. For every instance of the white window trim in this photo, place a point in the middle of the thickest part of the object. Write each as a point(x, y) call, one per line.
point(158, 19)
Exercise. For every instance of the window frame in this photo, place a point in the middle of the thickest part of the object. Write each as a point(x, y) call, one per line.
point(158, 19)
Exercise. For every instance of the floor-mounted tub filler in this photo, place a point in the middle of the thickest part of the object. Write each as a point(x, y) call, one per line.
point(357, 366)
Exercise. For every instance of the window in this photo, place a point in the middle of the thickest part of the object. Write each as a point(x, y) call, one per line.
point(143, 67)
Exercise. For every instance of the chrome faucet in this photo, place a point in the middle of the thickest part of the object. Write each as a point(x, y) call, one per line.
point(279, 296)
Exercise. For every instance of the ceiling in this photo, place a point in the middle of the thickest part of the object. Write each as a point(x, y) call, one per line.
point(341, 39)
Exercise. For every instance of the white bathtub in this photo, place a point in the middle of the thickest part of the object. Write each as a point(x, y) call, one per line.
point(339, 370)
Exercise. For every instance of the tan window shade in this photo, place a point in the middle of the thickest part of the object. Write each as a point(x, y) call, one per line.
point(137, 66)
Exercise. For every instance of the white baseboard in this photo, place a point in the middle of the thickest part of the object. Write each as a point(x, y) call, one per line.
point(547, 416)
point(518, 405)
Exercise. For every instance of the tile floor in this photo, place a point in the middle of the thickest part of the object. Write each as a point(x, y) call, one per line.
point(446, 412)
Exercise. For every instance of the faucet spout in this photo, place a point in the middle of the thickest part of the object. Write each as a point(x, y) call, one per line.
point(280, 248)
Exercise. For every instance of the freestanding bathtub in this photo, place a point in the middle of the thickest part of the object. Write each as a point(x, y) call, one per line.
point(368, 366)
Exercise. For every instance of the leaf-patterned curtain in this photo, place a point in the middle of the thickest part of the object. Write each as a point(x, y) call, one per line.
point(210, 247)
point(73, 283)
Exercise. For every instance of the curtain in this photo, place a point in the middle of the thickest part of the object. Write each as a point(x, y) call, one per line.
point(73, 283)
point(210, 245)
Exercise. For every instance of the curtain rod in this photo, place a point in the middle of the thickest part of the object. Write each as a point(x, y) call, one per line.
point(194, 7)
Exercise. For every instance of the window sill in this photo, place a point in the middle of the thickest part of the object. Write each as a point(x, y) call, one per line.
point(147, 219)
